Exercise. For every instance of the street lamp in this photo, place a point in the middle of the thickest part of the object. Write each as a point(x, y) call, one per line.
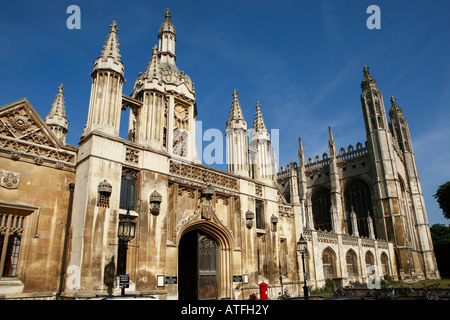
point(126, 233)
point(302, 247)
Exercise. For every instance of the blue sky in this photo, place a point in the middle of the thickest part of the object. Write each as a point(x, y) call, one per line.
point(302, 60)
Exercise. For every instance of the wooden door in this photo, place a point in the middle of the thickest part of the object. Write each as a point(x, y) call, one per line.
point(207, 284)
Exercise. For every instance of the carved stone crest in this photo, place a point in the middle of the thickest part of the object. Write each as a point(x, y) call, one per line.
point(207, 211)
point(10, 180)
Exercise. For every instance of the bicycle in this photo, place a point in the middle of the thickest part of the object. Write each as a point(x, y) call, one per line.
point(408, 292)
point(384, 293)
point(430, 291)
point(285, 296)
point(342, 292)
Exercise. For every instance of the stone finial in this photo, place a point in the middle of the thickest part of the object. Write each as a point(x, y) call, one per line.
point(168, 14)
point(114, 27)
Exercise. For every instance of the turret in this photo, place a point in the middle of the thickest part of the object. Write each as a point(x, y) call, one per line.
point(400, 130)
point(56, 118)
point(335, 192)
point(237, 139)
point(106, 90)
point(166, 120)
point(260, 148)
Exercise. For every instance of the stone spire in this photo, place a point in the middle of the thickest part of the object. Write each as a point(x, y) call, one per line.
point(56, 118)
point(301, 153)
point(395, 108)
point(154, 68)
point(258, 122)
point(110, 56)
point(236, 118)
point(105, 105)
point(331, 143)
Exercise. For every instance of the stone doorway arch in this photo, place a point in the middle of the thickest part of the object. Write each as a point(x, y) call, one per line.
point(222, 238)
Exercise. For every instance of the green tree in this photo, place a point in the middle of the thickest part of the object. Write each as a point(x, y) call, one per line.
point(441, 242)
point(443, 198)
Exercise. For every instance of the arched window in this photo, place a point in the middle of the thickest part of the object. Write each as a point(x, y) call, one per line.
point(329, 263)
point(370, 263)
point(384, 264)
point(358, 199)
point(352, 268)
point(321, 205)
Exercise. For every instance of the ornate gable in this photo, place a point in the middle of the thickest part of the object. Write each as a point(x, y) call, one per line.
point(23, 131)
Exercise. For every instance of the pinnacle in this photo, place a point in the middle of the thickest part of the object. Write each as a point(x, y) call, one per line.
point(258, 122)
point(394, 106)
point(153, 68)
point(58, 106)
point(111, 47)
point(167, 25)
point(331, 144)
point(368, 79)
point(236, 110)
point(57, 114)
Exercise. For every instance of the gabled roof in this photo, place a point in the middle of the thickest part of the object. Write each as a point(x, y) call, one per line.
point(23, 130)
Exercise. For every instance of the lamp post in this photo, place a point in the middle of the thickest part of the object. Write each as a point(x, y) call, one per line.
point(302, 247)
point(126, 233)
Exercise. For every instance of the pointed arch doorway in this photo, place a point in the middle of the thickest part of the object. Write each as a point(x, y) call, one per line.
point(198, 267)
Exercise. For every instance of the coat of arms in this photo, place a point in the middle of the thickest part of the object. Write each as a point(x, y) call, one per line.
point(10, 180)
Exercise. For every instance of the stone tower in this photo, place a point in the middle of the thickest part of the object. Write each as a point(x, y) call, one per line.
point(392, 218)
point(167, 118)
point(56, 118)
point(99, 171)
point(237, 140)
point(418, 216)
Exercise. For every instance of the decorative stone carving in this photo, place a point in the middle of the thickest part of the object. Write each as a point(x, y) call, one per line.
point(22, 134)
point(10, 180)
point(196, 173)
point(249, 216)
point(207, 210)
point(15, 155)
point(155, 203)
point(104, 194)
point(132, 156)
point(105, 188)
point(38, 160)
point(274, 222)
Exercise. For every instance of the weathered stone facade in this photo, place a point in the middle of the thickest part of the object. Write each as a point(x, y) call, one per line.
point(361, 210)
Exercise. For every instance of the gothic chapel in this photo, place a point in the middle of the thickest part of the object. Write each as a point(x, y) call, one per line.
point(200, 233)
